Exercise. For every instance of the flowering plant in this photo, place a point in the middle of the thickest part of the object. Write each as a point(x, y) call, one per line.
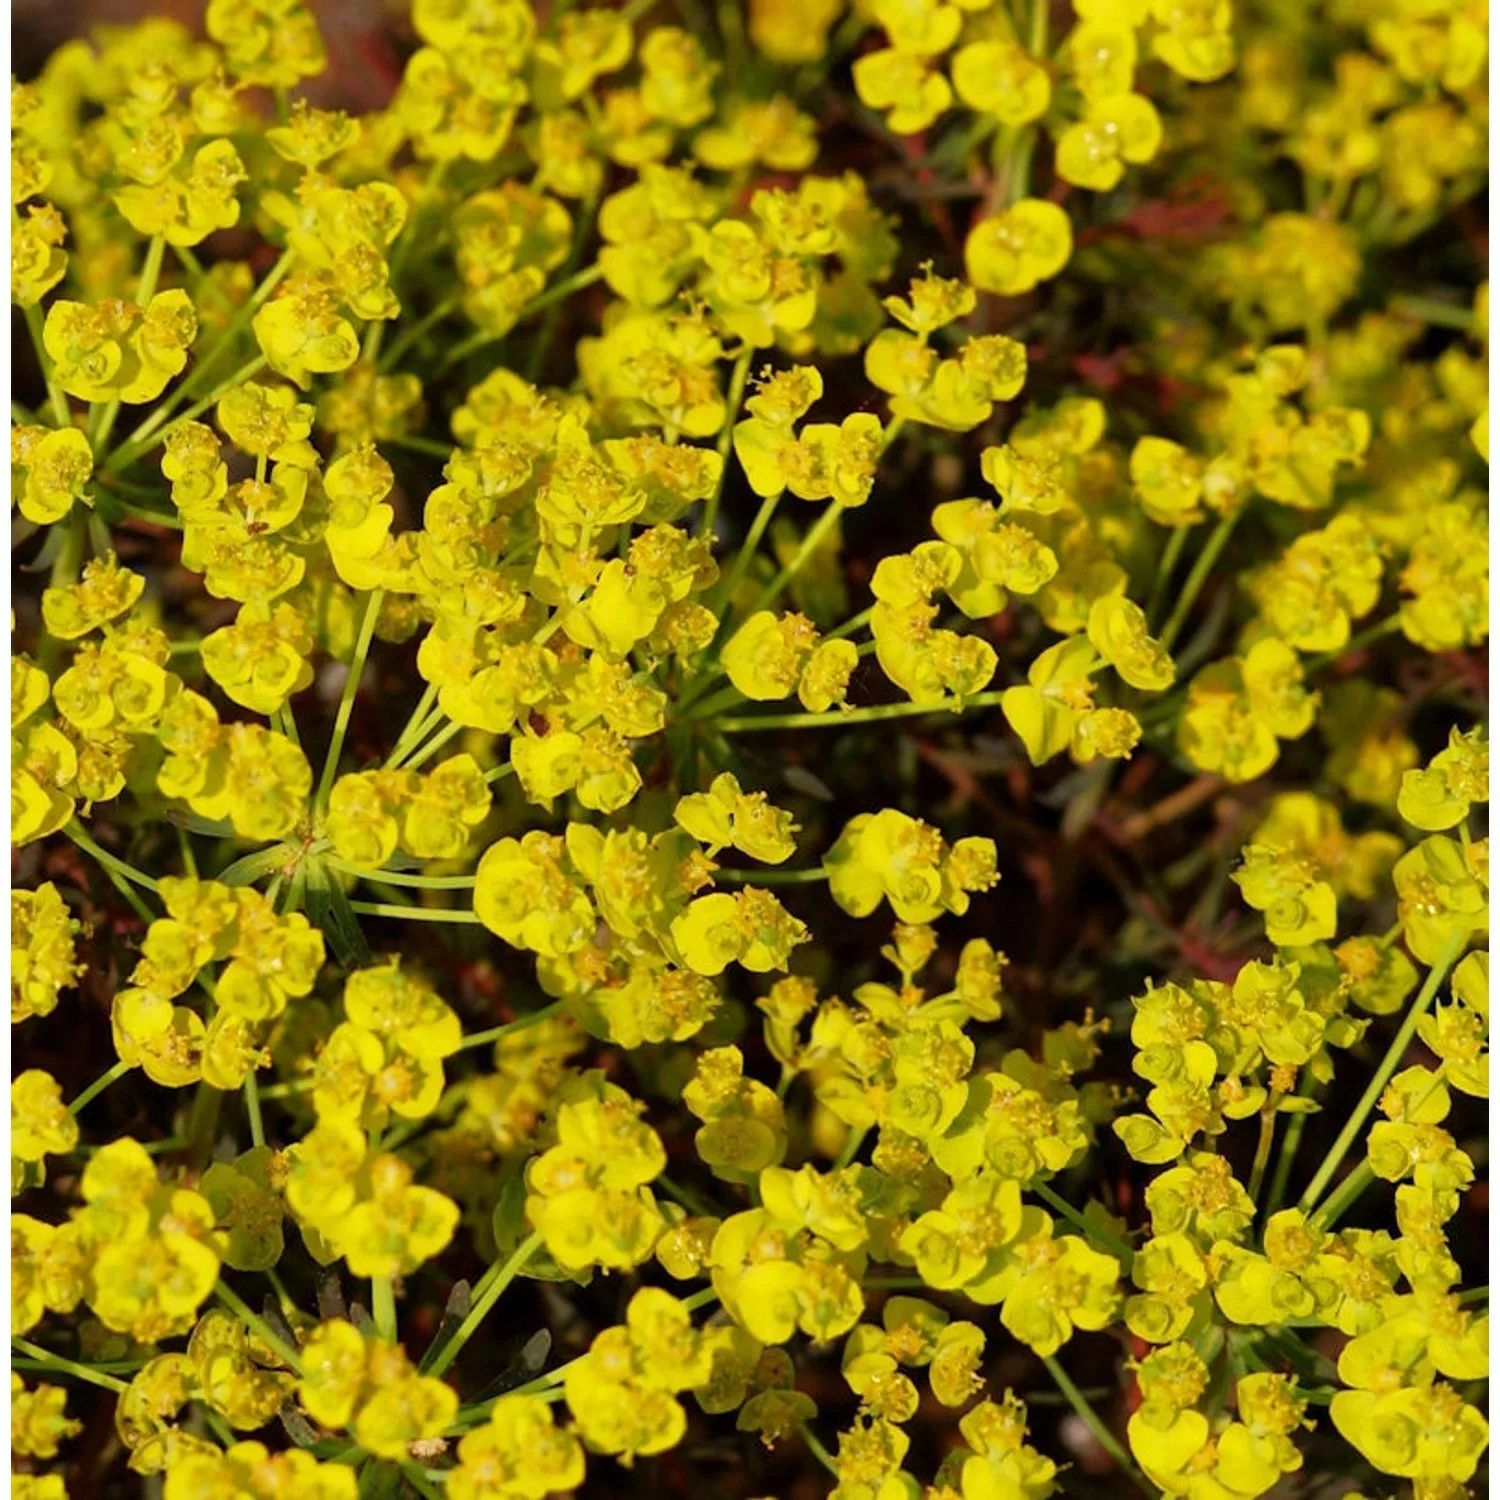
point(749, 748)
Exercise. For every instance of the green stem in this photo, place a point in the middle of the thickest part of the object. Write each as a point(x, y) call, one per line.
point(252, 1110)
point(1090, 1419)
point(397, 877)
point(383, 1306)
point(853, 1140)
point(62, 415)
point(98, 1086)
point(1263, 1146)
point(67, 1366)
point(811, 875)
point(491, 1285)
point(810, 544)
point(1435, 311)
point(240, 321)
point(1170, 556)
point(431, 748)
point(410, 733)
point(747, 550)
point(521, 1023)
point(147, 436)
point(1100, 1236)
point(737, 379)
point(1288, 1153)
point(1357, 642)
point(74, 831)
point(346, 702)
point(1343, 1196)
point(537, 358)
point(423, 325)
point(375, 334)
point(287, 1090)
point(685, 1196)
point(102, 424)
point(818, 1451)
point(758, 723)
point(1447, 956)
point(729, 697)
point(586, 277)
point(1202, 567)
point(414, 737)
point(411, 913)
point(429, 446)
point(259, 1327)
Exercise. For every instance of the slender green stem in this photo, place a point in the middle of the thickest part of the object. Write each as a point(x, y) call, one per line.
point(62, 415)
point(1343, 1196)
point(1203, 565)
point(346, 702)
point(287, 1090)
point(853, 1140)
point(413, 737)
point(383, 1306)
point(816, 534)
point(476, 341)
point(1357, 642)
point(429, 446)
point(252, 1110)
point(431, 187)
point(1097, 1233)
point(1090, 1419)
point(431, 748)
point(259, 1327)
point(491, 1285)
point(188, 261)
point(74, 830)
point(711, 708)
point(685, 1196)
point(1446, 958)
point(747, 550)
point(818, 1451)
point(521, 1023)
point(442, 310)
point(1435, 311)
point(105, 1366)
point(102, 422)
point(196, 380)
point(63, 1366)
point(812, 875)
point(398, 877)
point(241, 320)
point(755, 723)
point(151, 433)
point(412, 913)
point(409, 732)
point(853, 625)
point(536, 360)
point(98, 1086)
point(1285, 1158)
point(737, 379)
point(278, 1286)
point(1263, 1146)
point(1171, 553)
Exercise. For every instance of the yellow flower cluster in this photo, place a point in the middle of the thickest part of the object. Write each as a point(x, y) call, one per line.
point(425, 520)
